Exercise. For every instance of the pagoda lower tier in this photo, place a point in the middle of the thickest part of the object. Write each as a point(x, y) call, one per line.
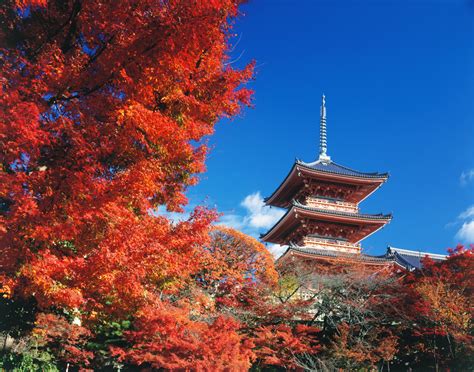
point(323, 228)
point(402, 258)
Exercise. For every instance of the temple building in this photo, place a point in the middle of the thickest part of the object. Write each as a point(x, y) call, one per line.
point(323, 219)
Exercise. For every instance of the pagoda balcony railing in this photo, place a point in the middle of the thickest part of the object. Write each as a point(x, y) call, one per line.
point(336, 243)
point(332, 204)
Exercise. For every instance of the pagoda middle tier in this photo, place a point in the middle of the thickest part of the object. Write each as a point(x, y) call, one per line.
point(324, 228)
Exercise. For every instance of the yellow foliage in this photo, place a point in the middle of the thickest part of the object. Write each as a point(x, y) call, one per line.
point(448, 305)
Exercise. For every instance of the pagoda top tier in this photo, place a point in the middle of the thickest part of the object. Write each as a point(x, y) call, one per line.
point(325, 178)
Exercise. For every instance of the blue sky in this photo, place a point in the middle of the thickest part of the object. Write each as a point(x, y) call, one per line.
point(399, 82)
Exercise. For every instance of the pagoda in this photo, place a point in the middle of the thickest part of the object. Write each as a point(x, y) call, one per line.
point(322, 200)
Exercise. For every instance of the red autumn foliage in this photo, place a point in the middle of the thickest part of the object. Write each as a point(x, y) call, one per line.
point(66, 339)
point(379, 345)
point(441, 291)
point(103, 113)
point(242, 280)
point(23, 4)
point(439, 310)
point(277, 345)
point(98, 114)
point(165, 337)
point(235, 264)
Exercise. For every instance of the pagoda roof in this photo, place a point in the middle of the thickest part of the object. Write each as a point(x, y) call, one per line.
point(329, 172)
point(407, 259)
point(292, 219)
point(411, 260)
point(334, 168)
point(315, 253)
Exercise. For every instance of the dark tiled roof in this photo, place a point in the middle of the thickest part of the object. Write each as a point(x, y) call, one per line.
point(379, 216)
point(331, 167)
point(411, 259)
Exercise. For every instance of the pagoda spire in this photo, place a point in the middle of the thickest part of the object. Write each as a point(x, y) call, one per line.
point(323, 157)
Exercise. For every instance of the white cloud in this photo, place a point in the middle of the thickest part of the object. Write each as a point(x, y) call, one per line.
point(259, 215)
point(466, 232)
point(466, 177)
point(468, 213)
point(256, 218)
point(232, 220)
point(276, 249)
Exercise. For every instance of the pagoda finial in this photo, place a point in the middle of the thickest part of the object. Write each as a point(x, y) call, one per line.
point(322, 133)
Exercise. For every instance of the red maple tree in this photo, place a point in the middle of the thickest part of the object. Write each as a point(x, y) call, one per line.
point(103, 113)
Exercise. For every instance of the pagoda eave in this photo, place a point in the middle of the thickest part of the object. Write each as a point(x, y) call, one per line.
point(357, 177)
point(298, 216)
point(334, 257)
point(395, 257)
point(301, 175)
